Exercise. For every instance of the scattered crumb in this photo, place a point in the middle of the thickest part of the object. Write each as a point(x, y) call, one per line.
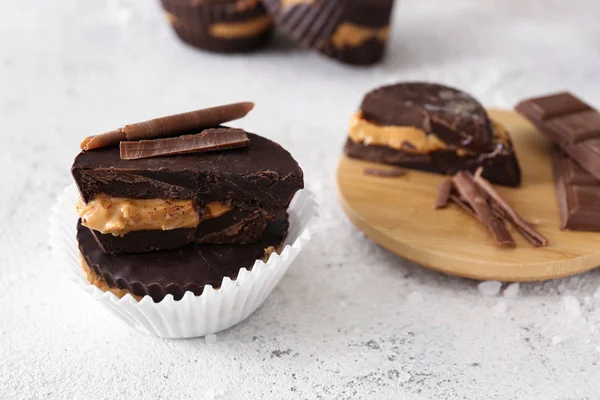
point(500, 308)
point(512, 290)
point(400, 376)
point(489, 288)
point(212, 338)
point(556, 340)
point(572, 305)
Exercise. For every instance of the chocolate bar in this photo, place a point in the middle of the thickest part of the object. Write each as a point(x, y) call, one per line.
point(432, 128)
point(174, 272)
point(578, 194)
point(569, 122)
point(165, 202)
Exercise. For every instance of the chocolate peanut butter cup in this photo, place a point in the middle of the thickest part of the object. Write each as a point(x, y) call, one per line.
point(166, 202)
point(352, 31)
point(433, 128)
point(174, 272)
point(226, 26)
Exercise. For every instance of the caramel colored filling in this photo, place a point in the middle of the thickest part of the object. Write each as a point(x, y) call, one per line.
point(101, 284)
point(285, 4)
point(173, 20)
point(240, 30)
point(407, 138)
point(245, 5)
point(119, 216)
point(351, 35)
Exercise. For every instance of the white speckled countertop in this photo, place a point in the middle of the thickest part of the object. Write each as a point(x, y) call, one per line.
point(350, 320)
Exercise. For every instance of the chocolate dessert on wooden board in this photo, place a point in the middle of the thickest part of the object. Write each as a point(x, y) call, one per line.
point(248, 185)
point(433, 128)
point(174, 272)
point(225, 26)
point(351, 31)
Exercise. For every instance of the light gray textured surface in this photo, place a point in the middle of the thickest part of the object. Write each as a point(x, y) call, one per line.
point(350, 321)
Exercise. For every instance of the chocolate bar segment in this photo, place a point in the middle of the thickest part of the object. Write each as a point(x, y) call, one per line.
point(174, 272)
point(578, 194)
point(569, 122)
point(547, 107)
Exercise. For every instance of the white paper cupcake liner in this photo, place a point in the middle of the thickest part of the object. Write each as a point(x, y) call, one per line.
point(192, 316)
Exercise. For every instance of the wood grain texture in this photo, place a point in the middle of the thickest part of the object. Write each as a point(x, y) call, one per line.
point(398, 214)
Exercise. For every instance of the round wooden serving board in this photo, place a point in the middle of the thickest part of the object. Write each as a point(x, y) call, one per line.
point(398, 214)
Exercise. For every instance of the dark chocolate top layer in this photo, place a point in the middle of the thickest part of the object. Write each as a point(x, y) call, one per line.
point(263, 174)
point(174, 272)
point(454, 116)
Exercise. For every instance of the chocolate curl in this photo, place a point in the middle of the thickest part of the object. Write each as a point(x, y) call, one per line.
point(532, 235)
point(470, 193)
point(462, 204)
point(443, 195)
point(103, 140)
point(208, 140)
point(172, 125)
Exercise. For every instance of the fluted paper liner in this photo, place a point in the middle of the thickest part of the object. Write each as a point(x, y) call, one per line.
point(192, 316)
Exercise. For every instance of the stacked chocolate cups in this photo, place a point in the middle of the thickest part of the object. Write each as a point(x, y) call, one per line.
point(167, 220)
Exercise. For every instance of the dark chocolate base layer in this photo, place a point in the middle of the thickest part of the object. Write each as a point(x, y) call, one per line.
point(192, 20)
point(501, 167)
point(232, 228)
point(174, 272)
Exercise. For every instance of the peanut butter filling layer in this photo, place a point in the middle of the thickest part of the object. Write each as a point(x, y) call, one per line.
point(352, 35)
point(285, 4)
point(407, 138)
point(119, 216)
point(241, 30)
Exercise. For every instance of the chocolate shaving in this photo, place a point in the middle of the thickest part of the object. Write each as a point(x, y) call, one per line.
point(443, 195)
point(468, 190)
point(172, 125)
point(388, 173)
point(207, 140)
point(532, 235)
point(463, 204)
